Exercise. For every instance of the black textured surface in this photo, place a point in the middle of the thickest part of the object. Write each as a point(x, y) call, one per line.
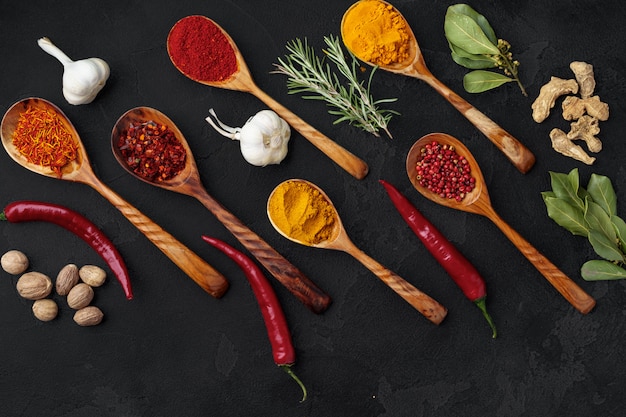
point(175, 351)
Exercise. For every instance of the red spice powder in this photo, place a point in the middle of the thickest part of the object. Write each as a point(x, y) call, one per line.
point(201, 50)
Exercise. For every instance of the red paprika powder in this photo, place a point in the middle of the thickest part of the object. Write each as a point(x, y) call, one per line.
point(199, 49)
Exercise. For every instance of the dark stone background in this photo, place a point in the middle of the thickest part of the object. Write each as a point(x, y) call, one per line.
point(176, 351)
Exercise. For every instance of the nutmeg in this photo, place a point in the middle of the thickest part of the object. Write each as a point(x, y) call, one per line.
point(67, 279)
point(45, 309)
point(92, 275)
point(14, 262)
point(34, 285)
point(80, 296)
point(88, 316)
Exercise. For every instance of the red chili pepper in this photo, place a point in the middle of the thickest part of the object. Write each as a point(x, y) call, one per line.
point(456, 265)
point(271, 310)
point(23, 211)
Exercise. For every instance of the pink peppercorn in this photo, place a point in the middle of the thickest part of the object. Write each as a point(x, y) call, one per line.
point(443, 171)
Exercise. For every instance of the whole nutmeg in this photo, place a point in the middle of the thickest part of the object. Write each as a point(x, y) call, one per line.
point(67, 279)
point(14, 262)
point(92, 275)
point(34, 285)
point(45, 309)
point(80, 296)
point(88, 316)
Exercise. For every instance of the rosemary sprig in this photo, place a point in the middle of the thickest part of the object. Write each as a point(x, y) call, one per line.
point(310, 75)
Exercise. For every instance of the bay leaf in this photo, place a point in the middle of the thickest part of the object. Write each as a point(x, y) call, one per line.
point(599, 220)
point(481, 20)
point(471, 61)
point(605, 247)
point(566, 187)
point(566, 216)
point(601, 189)
point(600, 270)
point(479, 80)
point(464, 32)
point(620, 229)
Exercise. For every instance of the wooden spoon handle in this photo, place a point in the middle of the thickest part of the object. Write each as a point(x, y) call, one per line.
point(521, 157)
point(285, 272)
point(427, 306)
point(576, 296)
point(203, 274)
point(342, 157)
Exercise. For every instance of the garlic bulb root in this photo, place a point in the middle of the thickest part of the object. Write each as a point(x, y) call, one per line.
point(263, 138)
point(82, 79)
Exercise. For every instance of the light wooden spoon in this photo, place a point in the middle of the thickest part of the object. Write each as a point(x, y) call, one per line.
point(80, 170)
point(188, 182)
point(415, 66)
point(478, 202)
point(339, 240)
point(242, 80)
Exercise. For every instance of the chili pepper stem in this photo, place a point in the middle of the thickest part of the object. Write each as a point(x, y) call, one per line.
point(482, 304)
point(287, 368)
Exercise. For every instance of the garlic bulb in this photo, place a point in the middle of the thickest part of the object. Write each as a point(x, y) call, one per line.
point(263, 139)
point(83, 79)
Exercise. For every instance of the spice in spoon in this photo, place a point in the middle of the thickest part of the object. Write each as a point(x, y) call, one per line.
point(302, 213)
point(199, 48)
point(44, 140)
point(152, 151)
point(376, 33)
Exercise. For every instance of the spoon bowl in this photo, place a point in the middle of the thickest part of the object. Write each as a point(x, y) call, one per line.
point(478, 202)
point(188, 182)
point(415, 66)
point(241, 80)
point(338, 239)
point(80, 170)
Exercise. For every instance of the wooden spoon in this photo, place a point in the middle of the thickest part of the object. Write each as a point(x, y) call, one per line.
point(339, 240)
point(188, 182)
point(415, 66)
point(80, 170)
point(477, 201)
point(241, 80)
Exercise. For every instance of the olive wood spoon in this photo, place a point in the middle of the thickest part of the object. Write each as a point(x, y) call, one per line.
point(241, 80)
point(80, 170)
point(415, 66)
point(478, 202)
point(188, 182)
point(339, 240)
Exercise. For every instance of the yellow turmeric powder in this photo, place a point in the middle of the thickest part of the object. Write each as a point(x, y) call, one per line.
point(376, 33)
point(301, 212)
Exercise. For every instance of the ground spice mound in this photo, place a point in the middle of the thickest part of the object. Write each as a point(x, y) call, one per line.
point(200, 49)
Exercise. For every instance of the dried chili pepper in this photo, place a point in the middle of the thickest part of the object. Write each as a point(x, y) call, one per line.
point(24, 211)
point(152, 151)
point(456, 265)
point(43, 140)
point(273, 315)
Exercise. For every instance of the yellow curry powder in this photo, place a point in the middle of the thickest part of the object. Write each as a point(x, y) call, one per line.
point(301, 212)
point(375, 32)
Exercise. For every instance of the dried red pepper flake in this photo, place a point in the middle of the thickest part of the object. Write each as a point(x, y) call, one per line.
point(152, 151)
point(42, 138)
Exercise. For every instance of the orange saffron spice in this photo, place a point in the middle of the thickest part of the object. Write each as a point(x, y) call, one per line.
point(41, 137)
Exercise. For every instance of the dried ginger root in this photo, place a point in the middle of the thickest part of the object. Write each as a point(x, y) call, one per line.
point(548, 95)
point(563, 145)
point(585, 112)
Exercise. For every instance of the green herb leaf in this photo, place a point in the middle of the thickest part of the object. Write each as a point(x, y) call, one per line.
point(466, 10)
point(605, 247)
point(566, 187)
point(463, 31)
point(566, 216)
point(479, 81)
point(471, 61)
point(600, 270)
point(620, 229)
point(598, 220)
point(601, 190)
